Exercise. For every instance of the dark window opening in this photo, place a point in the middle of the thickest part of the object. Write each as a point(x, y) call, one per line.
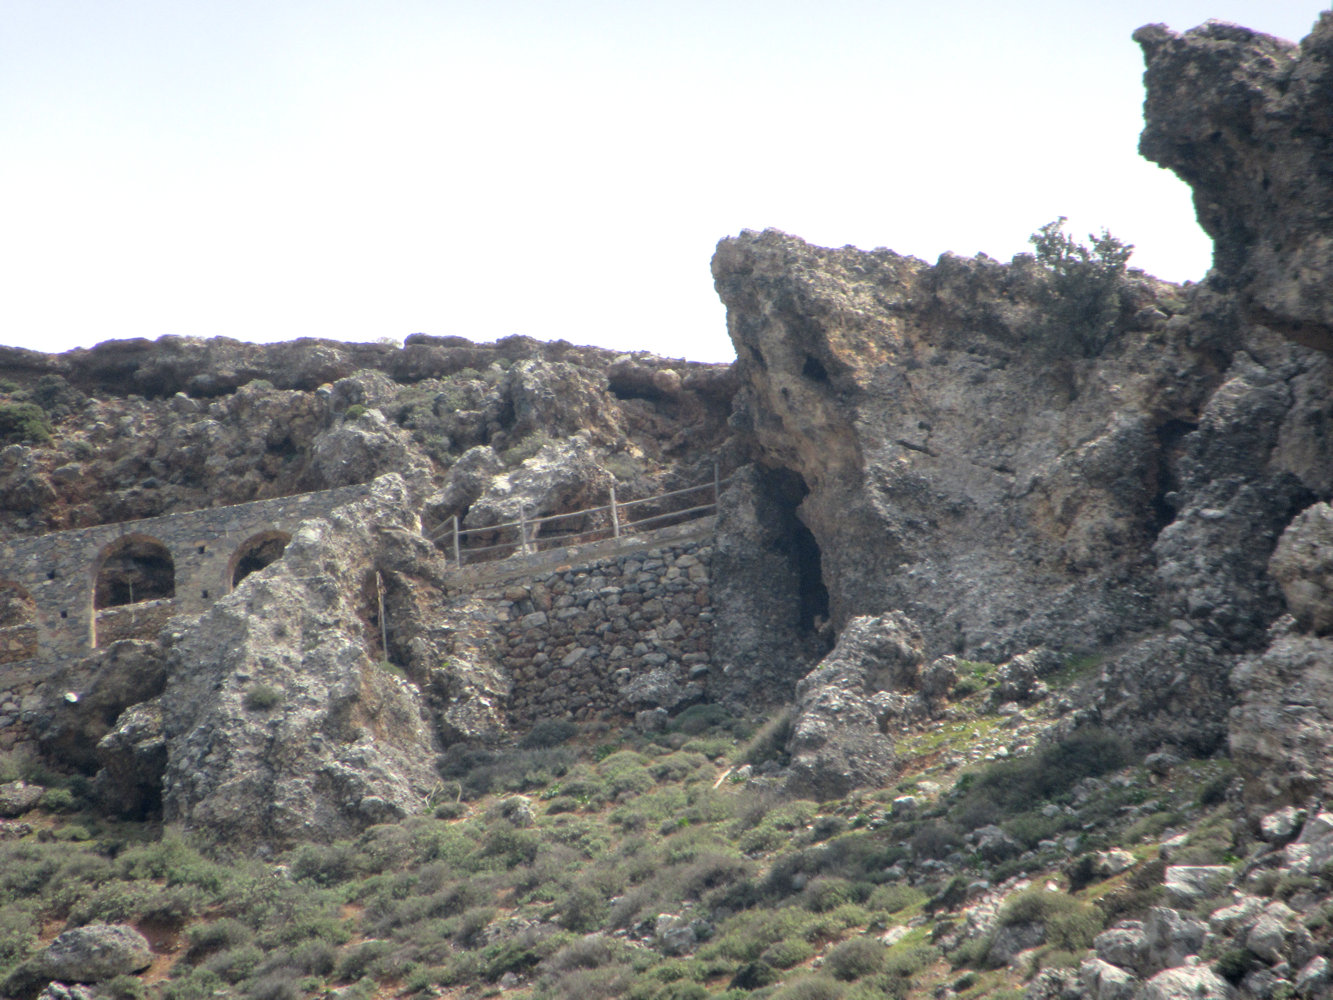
point(135, 569)
point(256, 553)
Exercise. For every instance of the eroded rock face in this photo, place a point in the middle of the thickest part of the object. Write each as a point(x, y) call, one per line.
point(281, 722)
point(1000, 497)
point(1246, 120)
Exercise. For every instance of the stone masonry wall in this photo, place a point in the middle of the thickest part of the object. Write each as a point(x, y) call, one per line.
point(607, 639)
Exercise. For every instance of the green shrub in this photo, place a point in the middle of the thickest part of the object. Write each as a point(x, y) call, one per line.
point(61, 800)
point(525, 449)
point(810, 988)
point(355, 411)
point(584, 908)
point(860, 956)
point(1081, 301)
point(1070, 923)
point(24, 422)
point(125, 988)
point(549, 733)
point(262, 697)
point(788, 952)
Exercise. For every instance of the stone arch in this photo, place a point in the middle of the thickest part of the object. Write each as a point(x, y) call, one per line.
point(255, 553)
point(18, 623)
point(133, 569)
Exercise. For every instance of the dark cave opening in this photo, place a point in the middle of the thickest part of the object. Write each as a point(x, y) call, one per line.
point(814, 369)
point(801, 550)
point(1171, 445)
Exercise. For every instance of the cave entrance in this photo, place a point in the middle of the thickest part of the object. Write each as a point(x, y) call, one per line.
point(801, 551)
point(134, 569)
point(255, 553)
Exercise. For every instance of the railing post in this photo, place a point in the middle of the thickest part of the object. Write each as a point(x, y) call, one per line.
point(522, 531)
point(717, 486)
point(458, 561)
point(384, 624)
point(615, 515)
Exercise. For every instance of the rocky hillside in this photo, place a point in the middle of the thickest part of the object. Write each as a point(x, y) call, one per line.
point(1005, 668)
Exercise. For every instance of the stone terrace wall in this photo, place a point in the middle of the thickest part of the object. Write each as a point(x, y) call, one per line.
point(611, 637)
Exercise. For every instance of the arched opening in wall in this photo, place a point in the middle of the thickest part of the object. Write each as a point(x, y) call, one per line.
point(134, 569)
point(255, 553)
point(18, 623)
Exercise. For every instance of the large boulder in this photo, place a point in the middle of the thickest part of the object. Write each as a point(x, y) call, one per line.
point(95, 953)
point(282, 718)
point(838, 740)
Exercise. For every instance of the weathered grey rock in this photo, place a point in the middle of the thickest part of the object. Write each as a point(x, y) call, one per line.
point(1314, 977)
point(1240, 913)
point(1282, 825)
point(1018, 679)
point(837, 742)
point(95, 953)
point(66, 991)
point(659, 688)
point(1302, 564)
point(1104, 981)
point(674, 934)
point(563, 476)
point(1267, 938)
point(280, 724)
point(1191, 982)
point(1012, 940)
point(1112, 862)
point(767, 590)
point(358, 450)
point(1242, 117)
point(993, 844)
point(862, 374)
point(19, 797)
point(104, 685)
point(134, 758)
point(1124, 946)
point(1171, 937)
point(1280, 730)
point(559, 399)
point(1188, 884)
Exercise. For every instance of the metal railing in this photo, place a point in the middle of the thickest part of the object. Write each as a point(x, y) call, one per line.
point(529, 535)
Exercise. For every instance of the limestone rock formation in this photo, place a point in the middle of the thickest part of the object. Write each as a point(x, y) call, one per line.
point(955, 462)
point(838, 740)
point(283, 718)
point(1246, 120)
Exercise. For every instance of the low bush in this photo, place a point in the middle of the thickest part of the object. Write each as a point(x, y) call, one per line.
point(857, 957)
point(810, 988)
point(24, 423)
point(262, 697)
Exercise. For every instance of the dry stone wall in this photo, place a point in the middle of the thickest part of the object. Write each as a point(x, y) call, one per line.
point(609, 638)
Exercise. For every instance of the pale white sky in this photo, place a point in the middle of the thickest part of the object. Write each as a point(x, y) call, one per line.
point(271, 169)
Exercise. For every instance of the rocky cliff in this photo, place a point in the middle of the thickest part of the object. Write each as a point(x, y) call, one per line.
point(967, 511)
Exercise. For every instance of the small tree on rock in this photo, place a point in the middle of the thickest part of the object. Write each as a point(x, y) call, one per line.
point(1081, 301)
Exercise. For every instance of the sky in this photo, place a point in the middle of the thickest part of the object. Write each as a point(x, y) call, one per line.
point(273, 169)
